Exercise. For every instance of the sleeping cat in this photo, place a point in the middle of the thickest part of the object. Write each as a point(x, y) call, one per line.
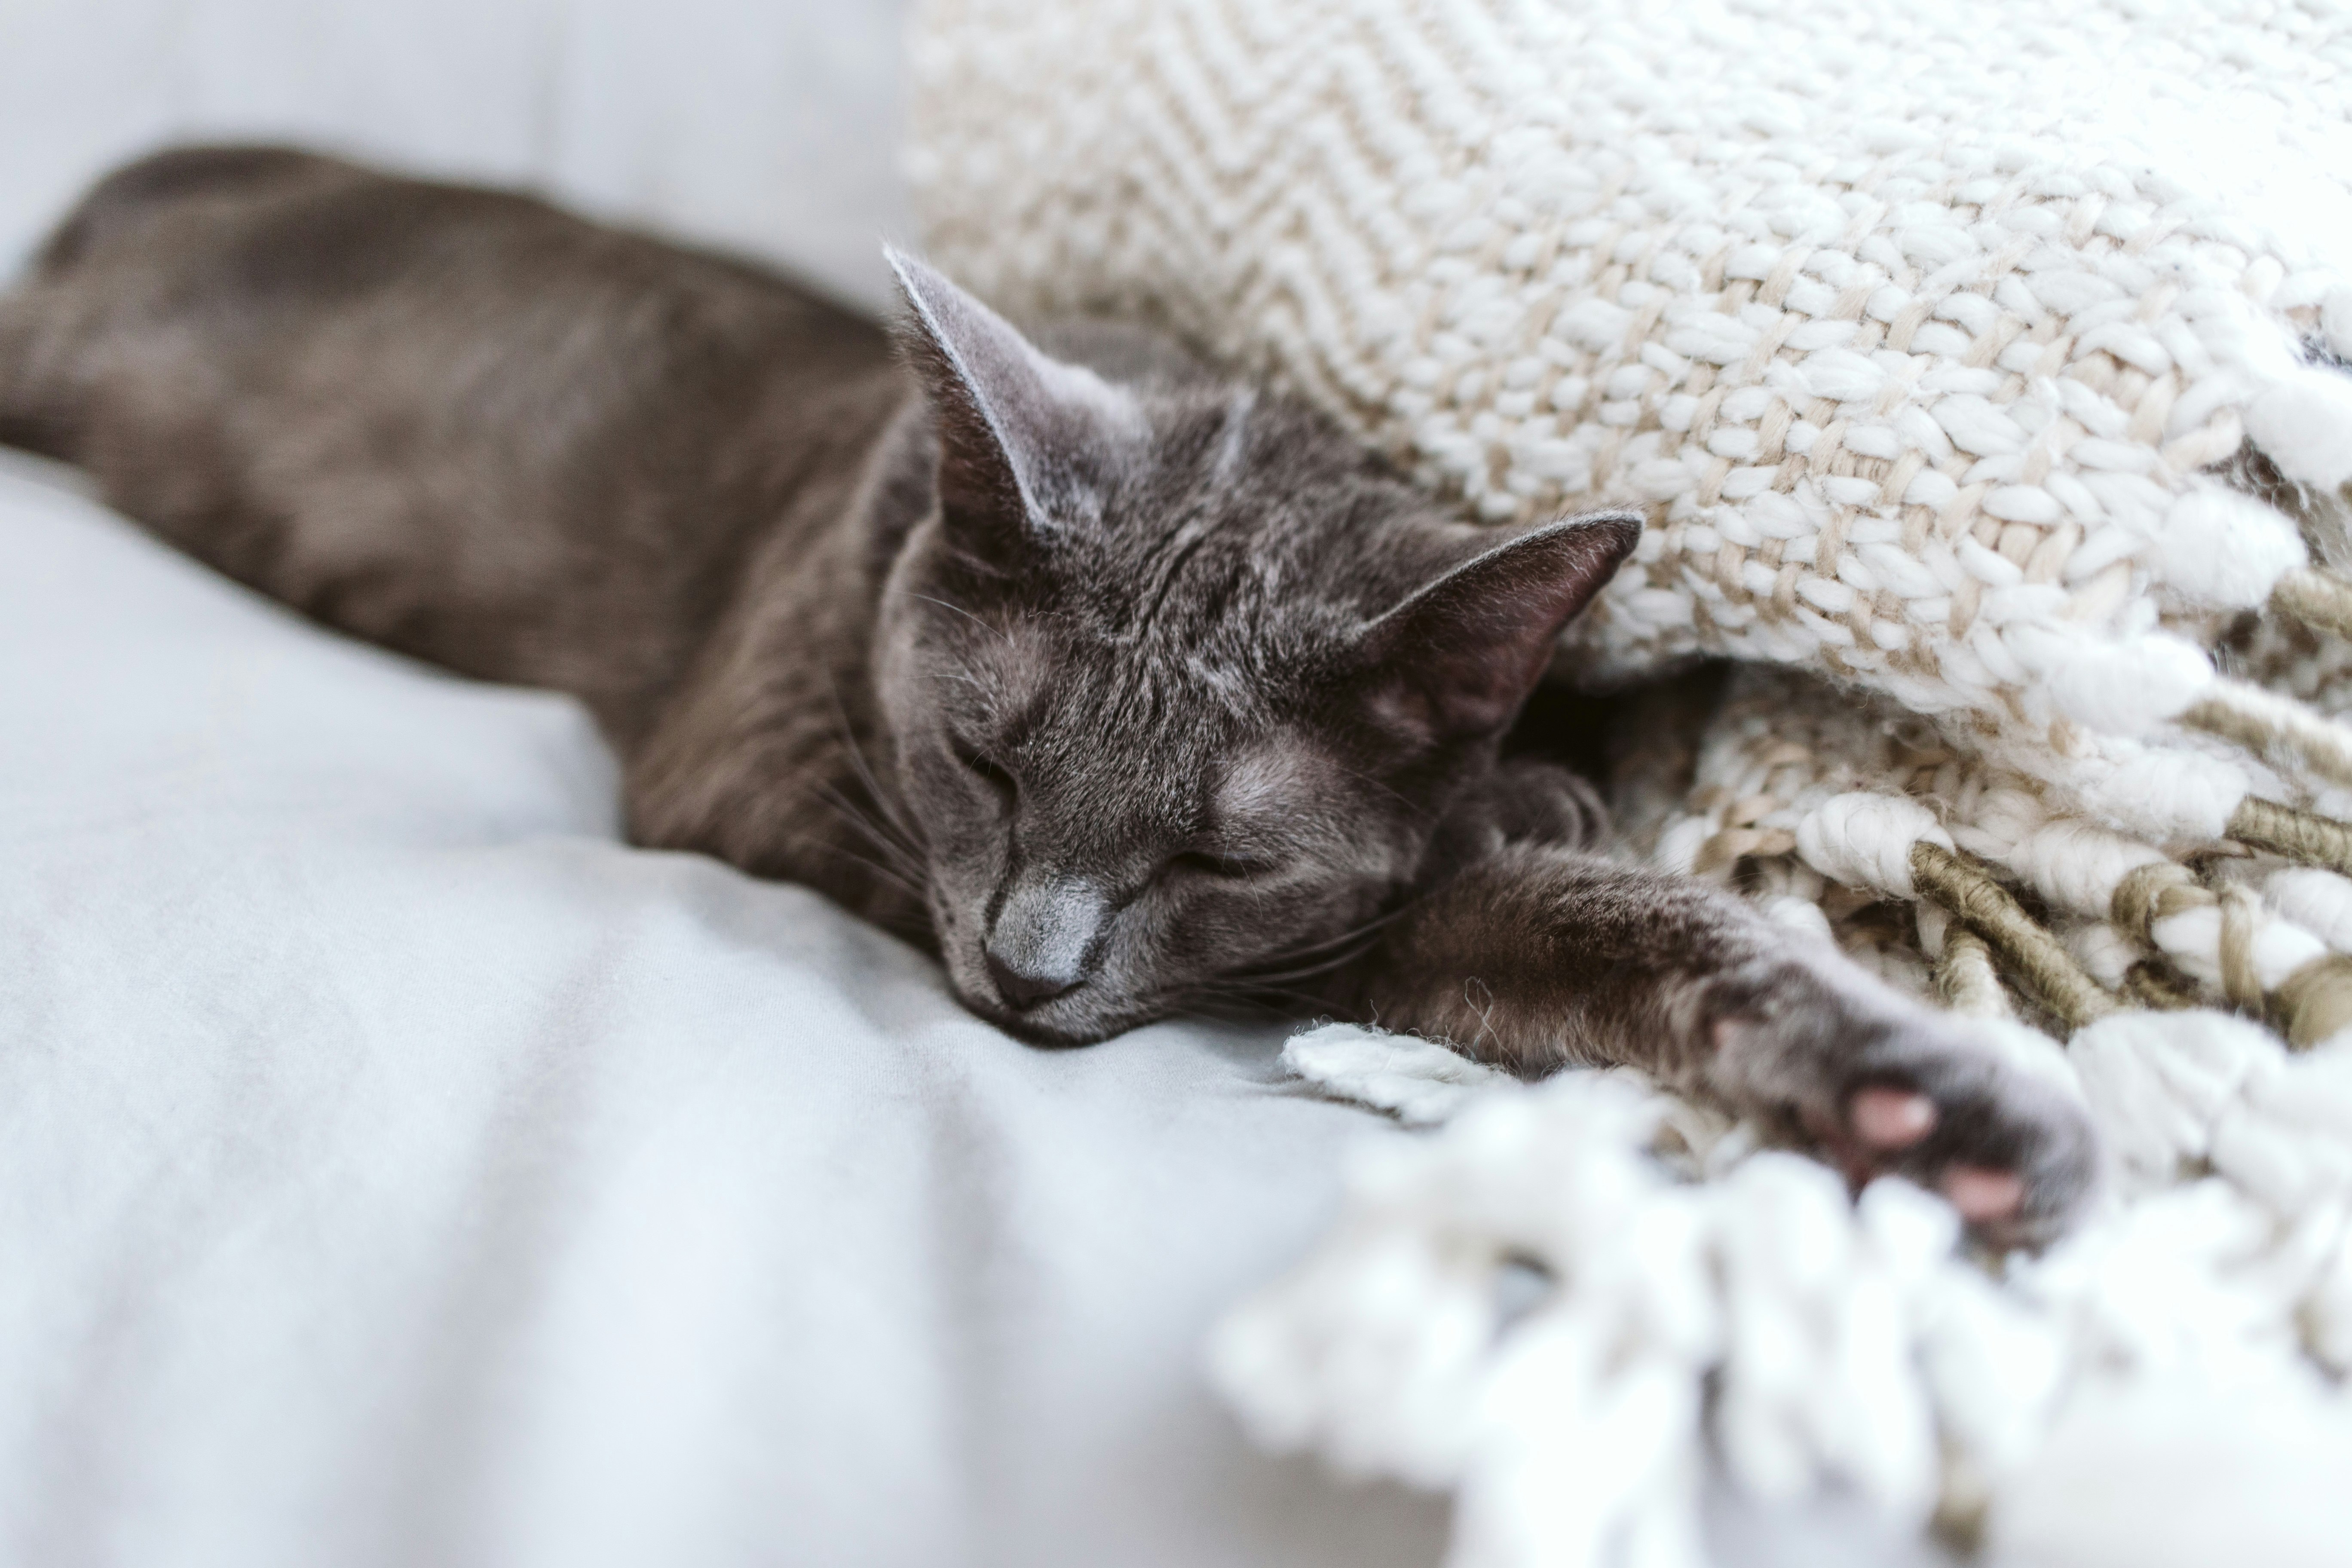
point(1125, 688)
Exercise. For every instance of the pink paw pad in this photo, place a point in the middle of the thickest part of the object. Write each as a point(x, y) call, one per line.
point(1981, 1193)
point(1891, 1118)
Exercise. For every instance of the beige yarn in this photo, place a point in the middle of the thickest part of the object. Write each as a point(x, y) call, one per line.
point(1918, 395)
point(1979, 371)
point(1948, 405)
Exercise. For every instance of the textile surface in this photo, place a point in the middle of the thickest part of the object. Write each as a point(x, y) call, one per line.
point(770, 127)
point(1920, 351)
point(399, 1171)
point(1980, 371)
point(394, 1168)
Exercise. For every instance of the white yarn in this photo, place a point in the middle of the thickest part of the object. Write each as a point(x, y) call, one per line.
point(1848, 1343)
point(2193, 940)
point(2077, 865)
point(2167, 794)
point(2158, 1083)
point(2327, 1314)
point(1916, 328)
point(1418, 1082)
point(2223, 551)
point(2031, 1052)
point(1388, 1351)
point(2288, 1137)
point(2299, 421)
point(1864, 840)
point(1799, 914)
point(2130, 687)
point(2320, 901)
point(2105, 952)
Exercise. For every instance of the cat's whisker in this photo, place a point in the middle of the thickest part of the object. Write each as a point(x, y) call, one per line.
point(997, 632)
point(1386, 788)
point(1314, 970)
point(1214, 999)
point(905, 877)
point(887, 873)
point(1331, 952)
point(881, 797)
point(904, 861)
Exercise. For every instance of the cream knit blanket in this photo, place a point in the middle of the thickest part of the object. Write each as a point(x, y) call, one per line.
point(1979, 367)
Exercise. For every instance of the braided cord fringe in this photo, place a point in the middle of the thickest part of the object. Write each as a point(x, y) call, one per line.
point(2274, 728)
point(1782, 759)
point(2156, 904)
point(2297, 834)
point(1970, 894)
point(2317, 600)
point(1936, 376)
point(1966, 981)
point(2163, 889)
point(2311, 1002)
point(1959, 411)
point(2317, 1002)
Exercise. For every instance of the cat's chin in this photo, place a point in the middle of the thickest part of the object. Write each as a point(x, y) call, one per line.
point(1042, 1029)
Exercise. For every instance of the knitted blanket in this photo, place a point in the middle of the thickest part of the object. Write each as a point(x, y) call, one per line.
point(1981, 370)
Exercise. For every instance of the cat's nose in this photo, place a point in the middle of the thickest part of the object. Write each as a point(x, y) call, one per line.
point(1042, 940)
point(1023, 991)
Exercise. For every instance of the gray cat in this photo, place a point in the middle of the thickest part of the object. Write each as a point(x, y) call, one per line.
point(1125, 689)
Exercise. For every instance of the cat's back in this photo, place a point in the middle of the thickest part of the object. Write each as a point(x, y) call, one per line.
point(338, 384)
point(252, 249)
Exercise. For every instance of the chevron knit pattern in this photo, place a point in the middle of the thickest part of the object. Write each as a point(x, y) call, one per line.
point(1982, 370)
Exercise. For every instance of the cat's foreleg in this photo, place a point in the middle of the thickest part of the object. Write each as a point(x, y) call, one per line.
point(1537, 956)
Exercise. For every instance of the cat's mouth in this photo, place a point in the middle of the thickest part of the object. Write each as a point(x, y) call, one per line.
point(1076, 1018)
point(1031, 1030)
point(1045, 1028)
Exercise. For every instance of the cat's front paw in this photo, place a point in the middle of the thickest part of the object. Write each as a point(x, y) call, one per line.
point(1881, 1084)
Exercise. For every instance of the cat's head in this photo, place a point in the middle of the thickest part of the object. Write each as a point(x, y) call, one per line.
point(1181, 682)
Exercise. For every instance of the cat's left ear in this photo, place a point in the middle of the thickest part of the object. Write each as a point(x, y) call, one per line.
point(1026, 441)
point(1458, 658)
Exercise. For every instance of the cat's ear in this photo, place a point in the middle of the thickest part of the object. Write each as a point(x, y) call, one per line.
point(1025, 440)
point(1458, 658)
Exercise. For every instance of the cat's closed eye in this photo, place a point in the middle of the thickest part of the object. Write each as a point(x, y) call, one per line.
point(1227, 868)
point(988, 771)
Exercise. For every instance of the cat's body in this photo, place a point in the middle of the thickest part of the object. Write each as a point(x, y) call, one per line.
point(1125, 688)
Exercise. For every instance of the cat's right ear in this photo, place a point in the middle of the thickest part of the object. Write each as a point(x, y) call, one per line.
point(1457, 658)
point(1026, 442)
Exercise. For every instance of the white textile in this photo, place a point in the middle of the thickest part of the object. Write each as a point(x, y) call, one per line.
point(396, 1169)
point(771, 125)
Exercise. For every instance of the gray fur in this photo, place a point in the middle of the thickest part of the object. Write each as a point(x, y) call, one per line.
point(1125, 689)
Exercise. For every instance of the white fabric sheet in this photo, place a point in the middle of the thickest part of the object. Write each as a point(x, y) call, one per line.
point(771, 125)
point(393, 1168)
point(396, 1169)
